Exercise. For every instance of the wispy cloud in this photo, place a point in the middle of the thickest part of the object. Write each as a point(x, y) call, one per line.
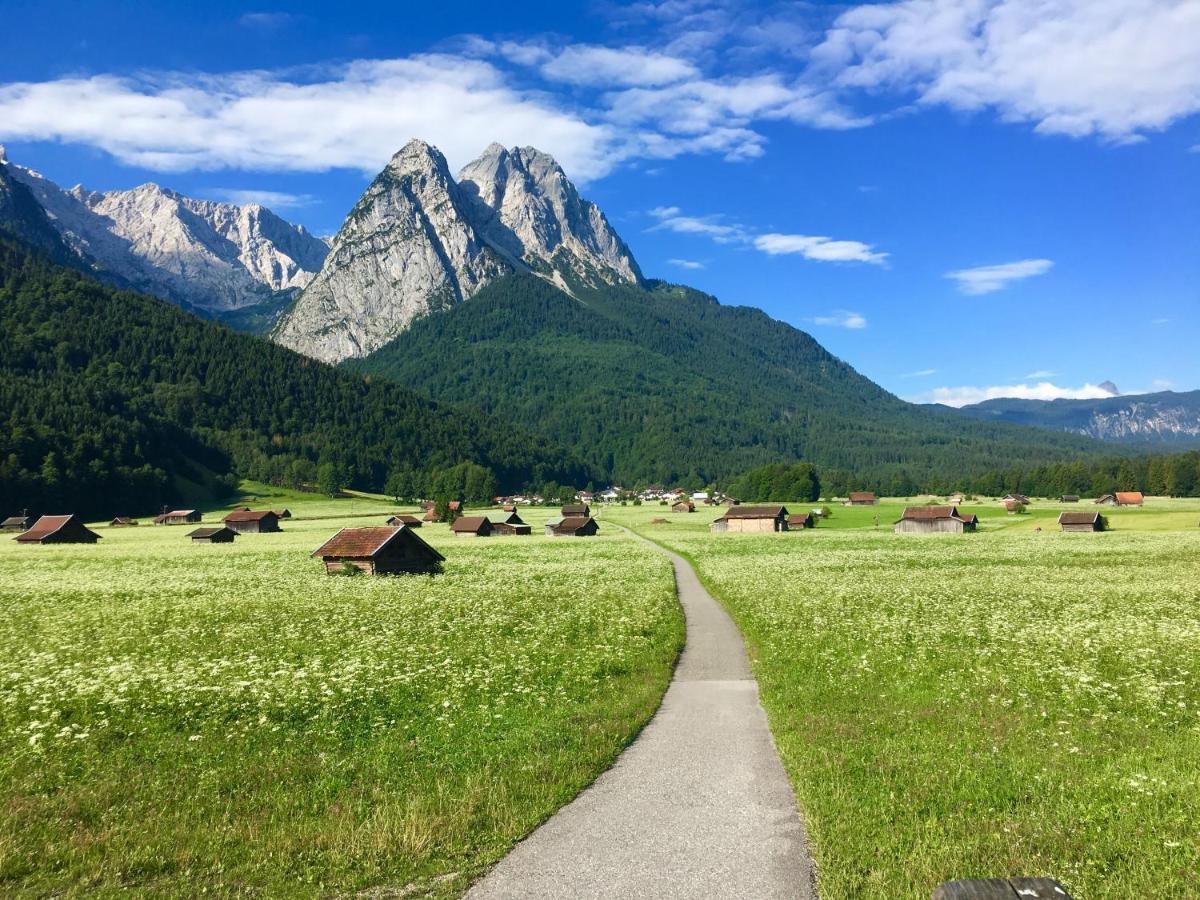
point(823, 249)
point(272, 199)
point(964, 395)
point(671, 218)
point(1040, 373)
point(267, 20)
point(686, 263)
point(1160, 321)
point(920, 373)
point(988, 279)
point(841, 318)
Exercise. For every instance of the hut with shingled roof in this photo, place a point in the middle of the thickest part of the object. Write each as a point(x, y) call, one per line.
point(67, 529)
point(379, 551)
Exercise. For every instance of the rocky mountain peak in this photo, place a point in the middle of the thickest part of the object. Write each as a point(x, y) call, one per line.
point(3, 154)
point(1110, 388)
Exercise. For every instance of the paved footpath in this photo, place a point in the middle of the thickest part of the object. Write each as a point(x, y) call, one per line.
point(698, 806)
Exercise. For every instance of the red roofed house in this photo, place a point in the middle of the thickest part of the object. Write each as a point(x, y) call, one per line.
point(58, 530)
point(935, 520)
point(252, 521)
point(379, 551)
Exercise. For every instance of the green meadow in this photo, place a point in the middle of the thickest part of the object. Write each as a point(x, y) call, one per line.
point(182, 719)
point(1015, 701)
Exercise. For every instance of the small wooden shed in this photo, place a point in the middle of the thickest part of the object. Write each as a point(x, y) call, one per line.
point(379, 551)
point(67, 529)
point(252, 521)
point(862, 498)
point(752, 520)
point(683, 506)
point(122, 522)
point(284, 513)
point(404, 519)
point(934, 520)
point(178, 517)
point(572, 526)
point(1069, 498)
point(801, 520)
point(221, 535)
point(508, 524)
point(1122, 498)
point(22, 522)
point(1016, 498)
point(1081, 521)
point(472, 526)
point(576, 510)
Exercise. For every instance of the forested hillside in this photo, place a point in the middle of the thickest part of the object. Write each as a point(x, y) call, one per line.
point(666, 384)
point(115, 402)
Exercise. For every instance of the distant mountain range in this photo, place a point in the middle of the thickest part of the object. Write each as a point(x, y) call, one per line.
point(1166, 417)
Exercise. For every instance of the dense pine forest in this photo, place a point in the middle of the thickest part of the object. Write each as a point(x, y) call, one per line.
point(666, 384)
point(115, 403)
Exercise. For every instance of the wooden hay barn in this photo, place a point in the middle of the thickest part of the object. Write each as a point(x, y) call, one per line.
point(576, 510)
point(1081, 521)
point(1122, 498)
point(58, 530)
point(122, 522)
point(508, 524)
point(801, 521)
point(1069, 498)
point(404, 519)
point(221, 535)
point(1017, 498)
point(431, 510)
point(752, 520)
point(282, 513)
point(472, 526)
point(1013, 506)
point(934, 520)
point(379, 551)
point(22, 522)
point(178, 517)
point(862, 498)
point(684, 506)
point(249, 521)
point(572, 526)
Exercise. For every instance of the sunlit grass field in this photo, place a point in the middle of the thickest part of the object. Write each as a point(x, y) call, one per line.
point(227, 719)
point(1001, 703)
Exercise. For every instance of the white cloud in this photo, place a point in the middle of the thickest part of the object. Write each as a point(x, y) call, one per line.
point(1112, 68)
point(1040, 373)
point(267, 20)
point(351, 116)
point(271, 199)
point(1045, 390)
point(1160, 321)
point(610, 66)
point(686, 263)
point(920, 373)
point(670, 218)
point(822, 249)
point(842, 318)
point(987, 279)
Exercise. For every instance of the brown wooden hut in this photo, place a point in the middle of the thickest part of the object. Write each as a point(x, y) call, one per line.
point(178, 517)
point(472, 526)
point(22, 522)
point(576, 510)
point(572, 526)
point(752, 520)
point(219, 535)
point(801, 520)
point(404, 519)
point(934, 520)
point(508, 524)
point(58, 530)
point(122, 522)
point(1017, 498)
point(252, 521)
point(684, 506)
point(862, 498)
point(1081, 521)
point(281, 514)
point(1122, 498)
point(379, 551)
point(1069, 498)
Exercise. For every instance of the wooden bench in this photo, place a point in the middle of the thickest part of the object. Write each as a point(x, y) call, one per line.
point(1002, 889)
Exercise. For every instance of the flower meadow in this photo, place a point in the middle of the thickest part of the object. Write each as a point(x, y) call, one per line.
point(179, 719)
point(977, 706)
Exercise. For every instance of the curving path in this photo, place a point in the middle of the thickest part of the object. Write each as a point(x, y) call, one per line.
point(697, 806)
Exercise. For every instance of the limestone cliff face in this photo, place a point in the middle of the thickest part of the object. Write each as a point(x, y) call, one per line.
point(216, 257)
point(407, 248)
point(419, 240)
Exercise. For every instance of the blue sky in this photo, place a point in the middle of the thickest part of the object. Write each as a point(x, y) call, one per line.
point(959, 197)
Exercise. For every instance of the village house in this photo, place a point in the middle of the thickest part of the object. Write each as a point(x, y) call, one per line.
point(471, 526)
point(379, 551)
point(22, 522)
point(801, 520)
point(404, 519)
point(612, 495)
point(122, 521)
point(221, 535)
point(58, 530)
point(1122, 498)
point(585, 496)
point(683, 506)
point(178, 517)
point(572, 526)
point(934, 520)
point(252, 521)
point(862, 498)
point(1081, 521)
point(576, 510)
point(752, 520)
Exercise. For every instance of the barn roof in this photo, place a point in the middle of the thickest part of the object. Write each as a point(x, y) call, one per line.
point(469, 524)
point(209, 532)
point(755, 512)
point(862, 495)
point(1129, 496)
point(573, 523)
point(362, 543)
point(1078, 518)
point(406, 519)
point(12, 521)
point(249, 515)
point(925, 513)
point(48, 525)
